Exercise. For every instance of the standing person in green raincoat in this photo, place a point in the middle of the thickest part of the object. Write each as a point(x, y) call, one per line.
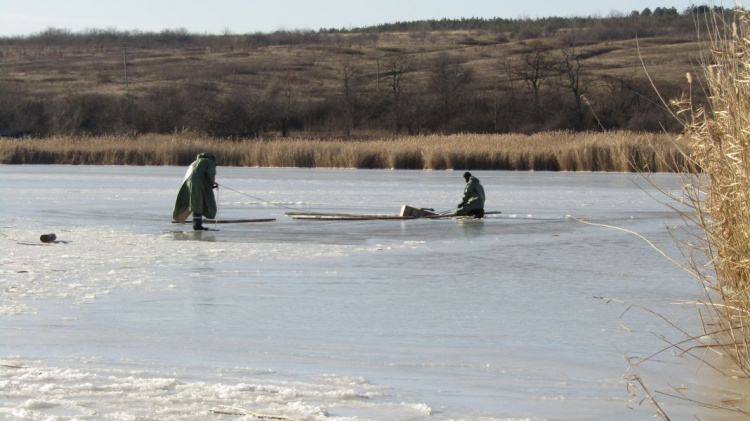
point(196, 194)
point(473, 201)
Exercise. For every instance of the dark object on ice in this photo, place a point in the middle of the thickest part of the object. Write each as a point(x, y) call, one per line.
point(48, 238)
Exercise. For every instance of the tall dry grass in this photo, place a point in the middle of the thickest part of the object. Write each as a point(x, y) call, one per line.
point(719, 137)
point(551, 151)
point(716, 245)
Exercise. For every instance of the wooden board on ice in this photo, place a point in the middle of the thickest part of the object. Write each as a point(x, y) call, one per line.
point(232, 221)
point(344, 216)
point(320, 216)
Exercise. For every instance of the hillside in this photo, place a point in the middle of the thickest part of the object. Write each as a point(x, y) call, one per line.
point(429, 77)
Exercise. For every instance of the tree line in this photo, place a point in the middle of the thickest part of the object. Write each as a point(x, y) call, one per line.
point(646, 23)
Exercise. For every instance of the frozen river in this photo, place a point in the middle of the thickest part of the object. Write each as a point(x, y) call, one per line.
point(337, 320)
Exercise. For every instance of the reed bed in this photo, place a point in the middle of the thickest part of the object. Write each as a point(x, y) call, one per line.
point(719, 137)
point(551, 151)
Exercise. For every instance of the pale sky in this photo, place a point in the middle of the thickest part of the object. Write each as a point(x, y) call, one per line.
point(25, 17)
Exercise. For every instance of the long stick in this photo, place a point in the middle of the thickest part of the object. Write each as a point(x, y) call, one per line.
point(232, 221)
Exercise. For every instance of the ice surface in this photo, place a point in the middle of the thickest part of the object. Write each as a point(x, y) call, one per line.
point(413, 320)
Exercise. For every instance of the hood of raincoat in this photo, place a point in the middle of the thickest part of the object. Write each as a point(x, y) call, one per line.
point(196, 193)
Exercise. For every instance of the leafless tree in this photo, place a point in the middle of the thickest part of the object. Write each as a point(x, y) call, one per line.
point(570, 78)
point(285, 93)
point(537, 67)
point(396, 70)
point(449, 79)
point(351, 100)
point(503, 102)
point(619, 100)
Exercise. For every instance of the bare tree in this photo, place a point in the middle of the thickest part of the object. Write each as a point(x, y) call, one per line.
point(620, 101)
point(351, 101)
point(284, 94)
point(570, 78)
point(417, 113)
point(537, 67)
point(448, 79)
point(242, 113)
point(503, 101)
point(396, 70)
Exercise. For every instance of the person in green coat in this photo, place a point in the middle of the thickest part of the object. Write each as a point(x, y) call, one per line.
point(196, 193)
point(473, 201)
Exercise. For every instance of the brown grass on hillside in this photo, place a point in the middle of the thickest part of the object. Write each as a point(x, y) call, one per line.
point(237, 86)
point(551, 151)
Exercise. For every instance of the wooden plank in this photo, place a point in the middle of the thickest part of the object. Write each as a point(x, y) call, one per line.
point(344, 216)
point(232, 221)
point(321, 216)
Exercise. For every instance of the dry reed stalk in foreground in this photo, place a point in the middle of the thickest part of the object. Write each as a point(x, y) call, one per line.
point(551, 151)
point(719, 138)
point(718, 250)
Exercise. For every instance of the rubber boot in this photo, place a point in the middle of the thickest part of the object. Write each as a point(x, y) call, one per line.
point(476, 213)
point(198, 223)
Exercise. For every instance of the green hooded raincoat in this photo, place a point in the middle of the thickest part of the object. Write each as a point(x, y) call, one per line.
point(473, 197)
point(196, 194)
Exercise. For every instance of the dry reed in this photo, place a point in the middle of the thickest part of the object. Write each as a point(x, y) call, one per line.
point(551, 151)
point(719, 137)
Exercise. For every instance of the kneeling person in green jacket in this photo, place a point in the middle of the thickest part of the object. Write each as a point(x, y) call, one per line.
point(196, 193)
point(473, 201)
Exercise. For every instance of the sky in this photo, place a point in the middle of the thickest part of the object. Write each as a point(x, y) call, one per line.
point(27, 17)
